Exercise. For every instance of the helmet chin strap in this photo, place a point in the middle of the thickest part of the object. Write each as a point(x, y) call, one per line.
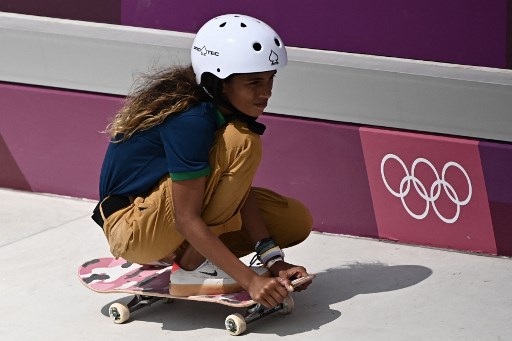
point(252, 124)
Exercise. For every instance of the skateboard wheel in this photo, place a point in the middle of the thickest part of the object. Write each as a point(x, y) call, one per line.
point(119, 313)
point(288, 305)
point(235, 324)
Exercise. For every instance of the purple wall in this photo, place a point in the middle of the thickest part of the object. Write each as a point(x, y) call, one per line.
point(457, 31)
point(470, 32)
point(509, 34)
point(103, 11)
point(497, 165)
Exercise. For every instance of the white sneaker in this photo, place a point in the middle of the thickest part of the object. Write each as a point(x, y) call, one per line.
point(207, 279)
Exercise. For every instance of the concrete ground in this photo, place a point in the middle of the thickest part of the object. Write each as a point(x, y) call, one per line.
point(365, 289)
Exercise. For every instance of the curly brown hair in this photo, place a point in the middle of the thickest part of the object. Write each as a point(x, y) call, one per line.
point(156, 96)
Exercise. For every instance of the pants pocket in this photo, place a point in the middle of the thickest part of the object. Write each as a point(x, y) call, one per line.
point(119, 237)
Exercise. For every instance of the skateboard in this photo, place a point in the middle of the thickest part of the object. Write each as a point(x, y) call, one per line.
point(150, 284)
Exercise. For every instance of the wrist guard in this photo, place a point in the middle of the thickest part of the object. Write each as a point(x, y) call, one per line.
point(268, 252)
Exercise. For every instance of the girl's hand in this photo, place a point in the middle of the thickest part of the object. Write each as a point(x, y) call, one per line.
point(290, 272)
point(268, 291)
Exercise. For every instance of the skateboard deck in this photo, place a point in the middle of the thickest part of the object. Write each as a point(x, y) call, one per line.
point(150, 284)
point(110, 275)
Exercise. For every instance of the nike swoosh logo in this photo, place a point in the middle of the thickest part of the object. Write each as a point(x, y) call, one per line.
point(213, 274)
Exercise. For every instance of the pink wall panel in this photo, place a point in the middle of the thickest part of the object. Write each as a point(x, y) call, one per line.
point(321, 164)
point(428, 190)
point(52, 140)
point(10, 173)
point(415, 188)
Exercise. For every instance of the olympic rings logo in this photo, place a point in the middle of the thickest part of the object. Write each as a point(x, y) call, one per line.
point(430, 196)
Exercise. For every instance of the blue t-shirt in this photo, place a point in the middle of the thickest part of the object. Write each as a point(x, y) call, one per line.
point(180, 146)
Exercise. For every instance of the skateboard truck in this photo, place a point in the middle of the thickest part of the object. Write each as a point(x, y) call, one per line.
point(120, 313)
point(236, 324)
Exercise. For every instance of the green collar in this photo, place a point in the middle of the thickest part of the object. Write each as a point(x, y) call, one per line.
point(221, 120)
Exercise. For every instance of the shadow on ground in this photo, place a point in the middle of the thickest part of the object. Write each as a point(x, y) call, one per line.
point(312, 307)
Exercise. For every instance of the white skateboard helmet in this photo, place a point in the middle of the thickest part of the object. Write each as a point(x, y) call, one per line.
point(235, 43)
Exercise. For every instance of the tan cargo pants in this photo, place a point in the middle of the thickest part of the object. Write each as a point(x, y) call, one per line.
point(145, 231)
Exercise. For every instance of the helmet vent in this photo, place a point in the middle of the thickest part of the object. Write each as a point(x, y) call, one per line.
point(256, 47)
point(223, 24)
point(243, 25)
point(278, 43)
